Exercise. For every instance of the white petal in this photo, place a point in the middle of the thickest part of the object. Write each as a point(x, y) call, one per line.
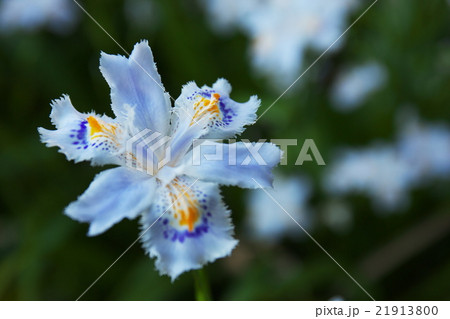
point(377, 171)
point(266, 221)
point(83, 137)
point(135, 82)
point(235, 163)
point(213, 108)
point(114, 194)
point(194, 229)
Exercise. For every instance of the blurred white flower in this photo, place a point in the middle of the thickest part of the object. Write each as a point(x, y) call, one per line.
point(378, 172)
point(281, 30)
point(267, 221)
point(142, 14)
point(426, 148)
point(354, 85)
point(58, 15)
point(225, 14)
point(336, 298)
point(387, 173)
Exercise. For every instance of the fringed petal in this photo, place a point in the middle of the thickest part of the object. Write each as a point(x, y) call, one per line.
point(84, 137)
point(135, 83)
point(114, 194)
point(187, 227)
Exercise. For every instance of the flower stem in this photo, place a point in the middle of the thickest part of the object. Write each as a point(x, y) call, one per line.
point(202, 290)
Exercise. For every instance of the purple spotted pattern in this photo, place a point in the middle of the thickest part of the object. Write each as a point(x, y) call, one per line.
point(201, 228)
point(79, 135)
point(80, 138)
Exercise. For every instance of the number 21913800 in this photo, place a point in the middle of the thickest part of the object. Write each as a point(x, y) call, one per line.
point(407, 310)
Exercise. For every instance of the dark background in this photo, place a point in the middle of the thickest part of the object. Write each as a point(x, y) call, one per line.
point(44, 255)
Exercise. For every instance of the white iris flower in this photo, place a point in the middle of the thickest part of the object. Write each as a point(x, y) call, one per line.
point(59, 15)
point(185, 223)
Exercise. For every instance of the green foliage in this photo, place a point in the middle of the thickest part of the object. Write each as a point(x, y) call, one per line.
point(44, 255)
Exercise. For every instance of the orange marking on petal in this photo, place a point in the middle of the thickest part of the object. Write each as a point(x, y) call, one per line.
point(189, 218)
point(98, 126)
point(95, 126)
point(100, 129)
point(186, 211)
point(205, 107)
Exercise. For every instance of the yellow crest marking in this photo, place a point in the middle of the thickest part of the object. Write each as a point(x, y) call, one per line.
point(184, 205)
point(206, 107)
